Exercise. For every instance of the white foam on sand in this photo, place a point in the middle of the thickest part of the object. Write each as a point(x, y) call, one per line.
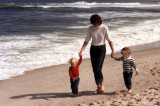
point(23, 53)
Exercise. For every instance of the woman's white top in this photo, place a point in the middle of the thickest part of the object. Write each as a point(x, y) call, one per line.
point(98, 34)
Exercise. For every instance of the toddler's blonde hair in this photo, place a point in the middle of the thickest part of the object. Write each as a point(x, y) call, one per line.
point(73, 60)
point(126, 49)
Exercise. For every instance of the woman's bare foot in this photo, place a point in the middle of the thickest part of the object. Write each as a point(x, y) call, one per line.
point(100, 89)
point(129, 91)
point(95, 92)
point(74, 95)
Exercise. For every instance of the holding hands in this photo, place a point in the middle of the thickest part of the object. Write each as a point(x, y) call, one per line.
point(80, 53)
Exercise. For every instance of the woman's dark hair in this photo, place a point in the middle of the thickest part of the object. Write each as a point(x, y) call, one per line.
point(96, 19)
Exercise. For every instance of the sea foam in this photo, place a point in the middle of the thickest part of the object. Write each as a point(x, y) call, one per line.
point(92, 5)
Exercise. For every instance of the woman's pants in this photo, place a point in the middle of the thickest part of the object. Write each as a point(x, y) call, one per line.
point(127, 79)
point(74, 85)
point(97, 54)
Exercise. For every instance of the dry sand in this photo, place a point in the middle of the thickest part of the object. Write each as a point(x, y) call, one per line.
point(51, 86)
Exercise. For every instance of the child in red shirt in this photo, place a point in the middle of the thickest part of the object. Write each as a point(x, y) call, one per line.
point(74, 74)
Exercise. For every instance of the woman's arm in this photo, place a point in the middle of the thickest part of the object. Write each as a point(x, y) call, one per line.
point(83, 47)
point(112, 48)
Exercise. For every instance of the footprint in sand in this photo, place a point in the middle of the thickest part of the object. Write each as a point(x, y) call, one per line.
point(156, 63)
point(120, 92)
point(155, 71)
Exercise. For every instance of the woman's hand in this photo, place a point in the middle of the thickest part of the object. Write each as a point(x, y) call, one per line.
point(112, 48)
point(83, 47)
point(112, 54)
point(80, 53)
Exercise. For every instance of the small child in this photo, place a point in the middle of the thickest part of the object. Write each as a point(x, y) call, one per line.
point(74, 74)
point(128, 63)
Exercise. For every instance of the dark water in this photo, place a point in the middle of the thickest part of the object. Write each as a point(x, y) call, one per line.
point(68, 1)
point(19, 17)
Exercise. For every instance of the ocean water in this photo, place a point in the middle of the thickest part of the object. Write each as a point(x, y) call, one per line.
point(40, 34)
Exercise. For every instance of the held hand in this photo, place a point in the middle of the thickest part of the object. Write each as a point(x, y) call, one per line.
point(80, 53)
point(112, 54)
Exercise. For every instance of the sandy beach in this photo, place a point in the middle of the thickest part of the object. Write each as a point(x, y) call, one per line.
point(50, 86)
point(39, 37)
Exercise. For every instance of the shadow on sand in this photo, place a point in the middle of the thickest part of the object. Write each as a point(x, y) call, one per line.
point(46, 96)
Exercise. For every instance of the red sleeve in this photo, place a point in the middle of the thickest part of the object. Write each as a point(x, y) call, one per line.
point(80, 60)
point(70, 73)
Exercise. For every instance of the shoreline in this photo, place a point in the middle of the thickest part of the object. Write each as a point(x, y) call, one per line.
point(50, 86)
point(140, 47)
point(146, 46)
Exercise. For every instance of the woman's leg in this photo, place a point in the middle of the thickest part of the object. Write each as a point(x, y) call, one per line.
point(93, 54)
point(97, 54)
point(97, 58)
point(100, 59)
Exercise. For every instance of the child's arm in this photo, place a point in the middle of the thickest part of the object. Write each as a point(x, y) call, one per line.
point(70, 73)
point(80, 60)
point(118, 58)
point(134, 66)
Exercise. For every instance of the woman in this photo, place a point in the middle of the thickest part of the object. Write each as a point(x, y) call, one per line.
point(99, 33)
